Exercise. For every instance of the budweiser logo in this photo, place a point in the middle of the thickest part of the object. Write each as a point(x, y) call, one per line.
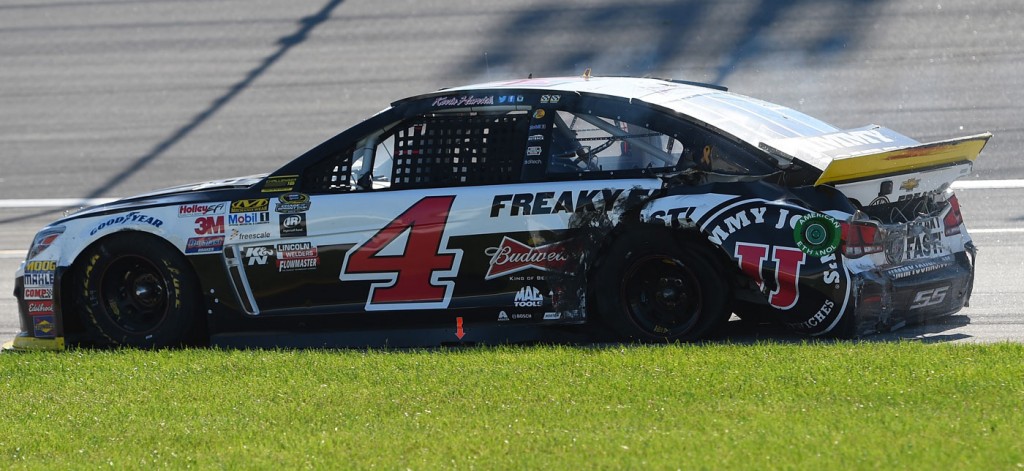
point(513, 256)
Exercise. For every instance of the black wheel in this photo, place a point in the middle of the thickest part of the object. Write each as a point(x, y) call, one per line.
point(648, 288)
point(134, 290)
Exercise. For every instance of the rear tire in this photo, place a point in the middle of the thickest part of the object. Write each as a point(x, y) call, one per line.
point(134, 290)
point(648, 288)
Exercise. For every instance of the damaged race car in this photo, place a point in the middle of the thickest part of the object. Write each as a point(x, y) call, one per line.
point(515, 211)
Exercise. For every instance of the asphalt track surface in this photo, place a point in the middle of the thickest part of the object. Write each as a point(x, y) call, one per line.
point(107, 98)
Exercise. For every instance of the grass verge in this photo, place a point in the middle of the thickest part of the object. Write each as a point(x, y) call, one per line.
point(854, 405)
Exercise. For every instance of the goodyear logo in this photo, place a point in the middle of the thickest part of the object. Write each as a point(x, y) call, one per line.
point(41, 265)
point(250, 206)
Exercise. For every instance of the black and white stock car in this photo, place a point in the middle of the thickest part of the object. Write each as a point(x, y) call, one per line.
point(508, 211)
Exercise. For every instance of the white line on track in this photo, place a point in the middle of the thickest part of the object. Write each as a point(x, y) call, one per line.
point(12, 253)
point(1002, 230)
point(79, 202)
point(988, 184)
point(54, 202)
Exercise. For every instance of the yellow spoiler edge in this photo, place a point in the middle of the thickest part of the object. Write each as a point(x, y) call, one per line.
point(924, 156)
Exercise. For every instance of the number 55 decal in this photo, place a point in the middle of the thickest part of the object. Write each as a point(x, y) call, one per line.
point(410, 257)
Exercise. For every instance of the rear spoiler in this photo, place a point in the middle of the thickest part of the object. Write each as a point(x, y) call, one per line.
point(909, 159)
point(872, 152)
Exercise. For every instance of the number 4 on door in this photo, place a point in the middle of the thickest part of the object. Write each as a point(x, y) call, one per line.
point(411, 276)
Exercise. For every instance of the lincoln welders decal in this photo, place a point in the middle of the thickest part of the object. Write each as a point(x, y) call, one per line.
point(801, 283)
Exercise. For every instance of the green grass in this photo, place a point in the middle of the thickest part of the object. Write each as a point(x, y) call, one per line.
point(848, 405)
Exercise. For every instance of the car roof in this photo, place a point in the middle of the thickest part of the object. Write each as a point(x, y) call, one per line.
point(748, 119)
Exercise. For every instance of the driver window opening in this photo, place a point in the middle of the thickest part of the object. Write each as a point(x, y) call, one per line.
point(371, 162)
point(588, 143)
point(447, 149)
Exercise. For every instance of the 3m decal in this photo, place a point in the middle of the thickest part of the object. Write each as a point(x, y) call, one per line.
point(786, 263)
point(512, 256)
point(209, 225)
point(414, 276)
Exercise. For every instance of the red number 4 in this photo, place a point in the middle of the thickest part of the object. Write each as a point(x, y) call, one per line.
point(411, 275)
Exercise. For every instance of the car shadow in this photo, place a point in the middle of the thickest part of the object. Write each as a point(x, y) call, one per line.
point(935, 331)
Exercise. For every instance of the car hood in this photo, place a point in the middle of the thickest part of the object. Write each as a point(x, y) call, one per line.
point(192, 192)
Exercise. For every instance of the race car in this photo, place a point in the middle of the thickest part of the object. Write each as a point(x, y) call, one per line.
point(520, 210)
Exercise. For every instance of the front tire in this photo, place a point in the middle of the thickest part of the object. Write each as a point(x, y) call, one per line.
point(648, 288)
point(136, 291)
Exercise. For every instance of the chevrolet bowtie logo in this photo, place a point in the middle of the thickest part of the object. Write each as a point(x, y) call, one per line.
point(910, 184)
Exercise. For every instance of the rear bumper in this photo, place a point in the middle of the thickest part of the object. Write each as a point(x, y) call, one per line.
point(913, 292)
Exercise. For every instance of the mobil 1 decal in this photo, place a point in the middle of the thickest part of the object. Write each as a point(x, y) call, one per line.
point(791, 254)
